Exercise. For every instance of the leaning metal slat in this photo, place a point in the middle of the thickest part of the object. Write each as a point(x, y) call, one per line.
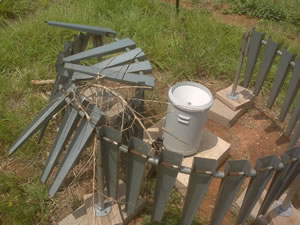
point(295, 137)
point(110, 158)
point(278, 180)
point(136, 162)
point(282, 71)
point(103, 50)
point(199, 181)
point(292, 91)
point(124, 58)
point(235, 173)
point(269, 55)
point(143, 66)
point(80, 141)
point(165, 180)
point(295, 118)
point(253, 52)
point(265, 168)
point(69, 122)
point(45, 115)
point(84, 28)
point(122, 77)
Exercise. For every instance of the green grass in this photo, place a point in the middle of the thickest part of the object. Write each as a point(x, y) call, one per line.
point(188, 46)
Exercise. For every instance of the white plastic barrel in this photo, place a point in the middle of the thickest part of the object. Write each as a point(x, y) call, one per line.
point(189, 103)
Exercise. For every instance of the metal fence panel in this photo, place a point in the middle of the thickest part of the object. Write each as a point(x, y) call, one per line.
point(110, 158)
point(282, 71)
point(166, 177)
point(253, 52)
point(292, 91)
point(69, 122)
point(235, 174)
point(198, 183)
point(265, 168)
point(295, 118)
point(143, 66)
point(103, 50)
point(269, 55)
point(137, 159)
point(278, 179)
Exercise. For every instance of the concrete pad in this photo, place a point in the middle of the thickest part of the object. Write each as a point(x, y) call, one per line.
point(246, 97)
point(223, 115)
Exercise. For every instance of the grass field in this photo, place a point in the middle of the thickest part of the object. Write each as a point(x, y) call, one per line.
point(188, 46)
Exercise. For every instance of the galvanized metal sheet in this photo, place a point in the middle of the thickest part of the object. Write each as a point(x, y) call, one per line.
point(279, 179)
point(69, 122)
point(295, 118)
point(101, 51)
point(230, 186)
point(84, 28)
point(165, 180)
point(136, 162)
point(124, 58)
point(198, 183)
point(143, 66)
point(269, 55)
point(295, 137)
point(110, 158)
point(282, 71)
point(253, 52)
point(292, 91)
point(265, 168)
point(122, 77)
point(45, 115)
point(80, 141)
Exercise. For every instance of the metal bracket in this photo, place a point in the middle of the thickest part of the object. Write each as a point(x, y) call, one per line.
point(100, 212)
point(281, 211)
point(233, 97)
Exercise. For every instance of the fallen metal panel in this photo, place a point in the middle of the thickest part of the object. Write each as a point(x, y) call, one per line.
point(279, 179)
point(269, 55)
point(166, 177)
point(198, 183)
point(45, 115)
point(103, 50)
point(110, 158)
point(69, 122)
point(80, 141)
point(295, 118)
point(230, 186)
point(84, 28)
point(265, 168)
point(124, 58)
point(127, 78)
point(253, 52)
point(282, 71)
point(143, 66)
point(137, 159)
point(292, 91)
point(295, 137)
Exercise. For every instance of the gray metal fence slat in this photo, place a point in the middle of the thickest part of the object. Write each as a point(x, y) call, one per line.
point(265, 168)
point(165, 180)
point(282, 71)
point(45, 115)
point(253, 52)
point(68, 124)
point(84, 28)
point(267, 60)
point(79, 142)
point(110, 159)
point(295, 118)
point(124, 58)
point(103, 50)
point(295, 137)
point(278, 180)
point(108, 74)
point(230, 186)
point(143, 66)
point(136, 162)
point(291, 92)
point(198, 183)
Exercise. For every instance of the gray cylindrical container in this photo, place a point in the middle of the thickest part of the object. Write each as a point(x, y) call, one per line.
point(189, 103)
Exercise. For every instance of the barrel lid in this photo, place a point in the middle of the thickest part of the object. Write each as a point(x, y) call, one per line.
point(190, 96)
